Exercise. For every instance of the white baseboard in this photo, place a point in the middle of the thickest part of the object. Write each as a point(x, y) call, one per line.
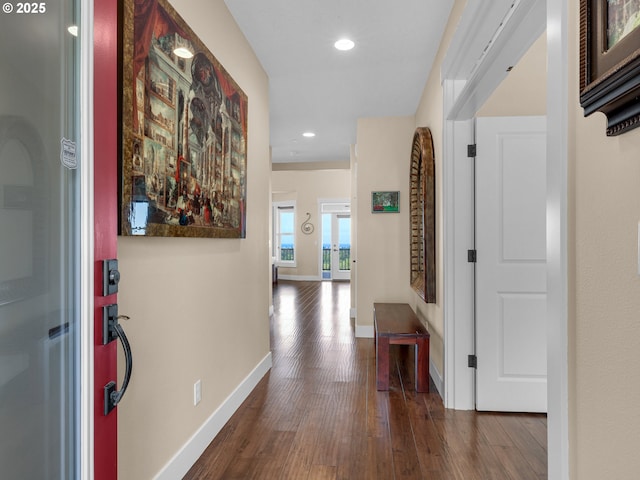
point(436, 376)
point(352, 313)
point(364, 331)
point(300, 278)
point(182, 461)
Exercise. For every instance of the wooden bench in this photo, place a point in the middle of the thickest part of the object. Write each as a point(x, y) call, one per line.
point(397, 324)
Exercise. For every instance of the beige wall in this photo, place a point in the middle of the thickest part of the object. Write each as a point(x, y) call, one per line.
point(306, 187)
point(327, 165)
point(605, 351)
point(187, 298)
point(524, 91)
point(354, 228)
point(383, 159)
point(429, 114)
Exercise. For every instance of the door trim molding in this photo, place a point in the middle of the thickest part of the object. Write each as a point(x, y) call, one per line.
point(458, 222)
point(490, 40)
point(557, 239)
point(86, 367)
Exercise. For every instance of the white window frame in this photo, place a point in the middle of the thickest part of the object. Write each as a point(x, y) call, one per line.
point(277, 234)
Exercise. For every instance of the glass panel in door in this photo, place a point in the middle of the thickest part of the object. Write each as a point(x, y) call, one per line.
point(341, 247)
point(327, 219)
point(39, 240)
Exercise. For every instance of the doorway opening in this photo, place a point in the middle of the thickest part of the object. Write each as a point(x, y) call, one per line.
point(523, 24)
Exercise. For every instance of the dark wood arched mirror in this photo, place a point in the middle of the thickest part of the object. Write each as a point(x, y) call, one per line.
point(423, 215)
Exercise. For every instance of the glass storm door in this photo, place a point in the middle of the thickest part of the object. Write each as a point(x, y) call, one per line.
point(40, 241)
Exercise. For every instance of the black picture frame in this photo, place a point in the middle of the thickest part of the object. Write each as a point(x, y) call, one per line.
point(609, 66)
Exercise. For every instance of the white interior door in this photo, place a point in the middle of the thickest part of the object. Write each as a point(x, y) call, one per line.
point(511, 298)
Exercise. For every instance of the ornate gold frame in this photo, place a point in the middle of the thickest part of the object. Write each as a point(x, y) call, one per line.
point(184, 131)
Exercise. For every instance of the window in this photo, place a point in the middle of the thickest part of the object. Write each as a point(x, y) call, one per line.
point(284, 220)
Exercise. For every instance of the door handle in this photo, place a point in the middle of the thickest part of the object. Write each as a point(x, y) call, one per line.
point(111, 331)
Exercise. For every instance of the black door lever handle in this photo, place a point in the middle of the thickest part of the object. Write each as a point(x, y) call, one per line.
point(112, 396)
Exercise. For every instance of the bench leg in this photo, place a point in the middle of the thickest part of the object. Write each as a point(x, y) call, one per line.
point(382, 363)
point(422, 365)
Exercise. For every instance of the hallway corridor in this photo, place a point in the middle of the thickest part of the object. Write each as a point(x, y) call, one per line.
point(317, 414)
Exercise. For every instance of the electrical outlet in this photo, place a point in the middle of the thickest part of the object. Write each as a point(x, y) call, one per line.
point(197, 393)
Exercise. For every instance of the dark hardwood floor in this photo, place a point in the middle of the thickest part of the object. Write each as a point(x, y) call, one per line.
point(317, 414)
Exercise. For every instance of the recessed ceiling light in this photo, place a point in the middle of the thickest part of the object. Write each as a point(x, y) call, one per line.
point(73, 30)
point(344, 44)
point(308, 134)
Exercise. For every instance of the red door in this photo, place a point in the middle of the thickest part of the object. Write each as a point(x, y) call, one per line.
point(105, 223)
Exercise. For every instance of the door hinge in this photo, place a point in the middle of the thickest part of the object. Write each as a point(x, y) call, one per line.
point(472, 361)
point(471, 150)
point(472, 256)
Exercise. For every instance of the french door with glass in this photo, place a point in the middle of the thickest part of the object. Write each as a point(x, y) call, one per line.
point(336, 240)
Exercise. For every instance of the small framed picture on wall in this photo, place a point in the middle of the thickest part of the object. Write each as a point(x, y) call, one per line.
point(385, 202)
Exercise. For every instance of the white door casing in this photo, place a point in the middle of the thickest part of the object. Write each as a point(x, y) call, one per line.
point(511, 264)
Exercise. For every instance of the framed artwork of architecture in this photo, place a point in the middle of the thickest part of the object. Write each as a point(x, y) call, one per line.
point(422, 203)
point(610, 62)
point(184, 131)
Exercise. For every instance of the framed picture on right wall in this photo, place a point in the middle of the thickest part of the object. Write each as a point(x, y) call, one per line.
point(610, 62)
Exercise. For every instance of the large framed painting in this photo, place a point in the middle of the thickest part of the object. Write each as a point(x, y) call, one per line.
point(610, 62)
point(184, 131)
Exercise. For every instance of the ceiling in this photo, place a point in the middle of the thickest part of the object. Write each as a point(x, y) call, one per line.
point(315, 88)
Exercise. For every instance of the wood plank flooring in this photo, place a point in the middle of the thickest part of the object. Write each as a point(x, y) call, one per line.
point(317, 414)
